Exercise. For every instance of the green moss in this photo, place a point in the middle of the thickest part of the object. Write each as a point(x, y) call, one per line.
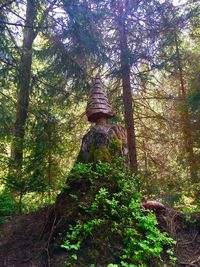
point(106, 154)
point(115, 146)
point(101, 153)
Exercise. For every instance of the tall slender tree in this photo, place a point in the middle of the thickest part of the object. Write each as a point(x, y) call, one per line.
point(24, 80)
point(126, 83)
point(185, 117)
point(31, 30)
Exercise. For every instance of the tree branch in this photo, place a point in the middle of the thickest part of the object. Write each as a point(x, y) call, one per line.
point(21, 25)
point(6, 4)
point(44, 15)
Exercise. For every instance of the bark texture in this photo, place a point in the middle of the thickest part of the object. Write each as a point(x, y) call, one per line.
point(103, 142)
point(126, 84)
point(24, 79)
point(31, 30)
point(98, 106)
point(186, 122)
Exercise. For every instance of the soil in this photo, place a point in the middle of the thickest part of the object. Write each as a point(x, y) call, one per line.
point(185, 229)
point(32, 240)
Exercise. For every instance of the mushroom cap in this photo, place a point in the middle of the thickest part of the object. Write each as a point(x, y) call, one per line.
point(98, 105)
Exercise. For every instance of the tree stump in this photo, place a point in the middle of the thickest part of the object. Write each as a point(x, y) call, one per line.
point(104, 142)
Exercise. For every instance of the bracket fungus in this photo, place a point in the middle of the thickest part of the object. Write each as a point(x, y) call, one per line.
point(98, 109)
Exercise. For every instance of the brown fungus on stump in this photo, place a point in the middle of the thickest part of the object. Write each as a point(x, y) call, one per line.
point(98, 109)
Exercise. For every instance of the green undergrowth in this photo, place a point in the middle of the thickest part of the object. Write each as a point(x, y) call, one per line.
point(113, 228)
point(8, 205)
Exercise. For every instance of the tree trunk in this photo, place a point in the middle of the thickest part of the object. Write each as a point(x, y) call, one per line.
point(24, 78)
point(187, 131)
point(127, 92)
point(49, 173)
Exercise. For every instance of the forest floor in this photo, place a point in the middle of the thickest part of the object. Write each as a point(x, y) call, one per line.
point(25, 240)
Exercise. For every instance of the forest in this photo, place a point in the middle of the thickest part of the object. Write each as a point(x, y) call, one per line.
point(100, 133)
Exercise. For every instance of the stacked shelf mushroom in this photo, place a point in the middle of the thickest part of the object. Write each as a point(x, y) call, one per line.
point(98, 107)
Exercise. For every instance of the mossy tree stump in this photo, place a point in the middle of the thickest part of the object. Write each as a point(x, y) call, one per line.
point(104, 143)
